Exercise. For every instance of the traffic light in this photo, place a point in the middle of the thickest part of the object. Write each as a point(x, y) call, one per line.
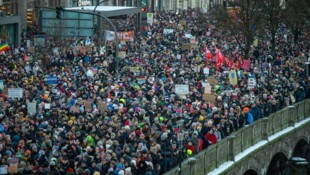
point(143, 9)
point(58, 12)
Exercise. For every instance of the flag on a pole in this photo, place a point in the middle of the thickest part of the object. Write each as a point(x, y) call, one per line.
point(208, 54)
point(220, 60)
point(4, 47)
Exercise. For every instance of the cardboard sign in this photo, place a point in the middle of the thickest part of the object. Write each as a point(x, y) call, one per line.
point(31, 107)
point(206, 71)
point(122, 54)
point(13, 168)
point(15, 93)
point(88, 106)
point(233, 80)
point(100, 105)
point(181, 89)
point(211, 80)
point(209, 98)
point(186, 46)
point(207, 89)
point(105, 63)
point(74, 109)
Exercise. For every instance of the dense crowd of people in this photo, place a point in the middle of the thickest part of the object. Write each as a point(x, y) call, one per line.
point(96, 120)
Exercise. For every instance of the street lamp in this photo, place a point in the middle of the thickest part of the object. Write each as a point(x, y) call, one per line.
point(180, 139)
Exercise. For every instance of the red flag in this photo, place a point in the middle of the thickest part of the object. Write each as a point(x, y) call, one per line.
point(209, 54)
point(230, 63)
point(239, 63)
point(25, 57)
point(220, 60)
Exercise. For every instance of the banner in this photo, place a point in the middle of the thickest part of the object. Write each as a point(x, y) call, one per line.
point(127, 36)
point(109, 35)
point(168, 31)
point(150, 18)
point(52, 80)
point(246, 65)
point(181, 89)
point(15, 93)
point(233, 80)
point(31, 107)
point(141, 80)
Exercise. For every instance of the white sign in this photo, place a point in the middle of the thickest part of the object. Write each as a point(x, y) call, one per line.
point(168, 31)
point(207, 89)
point(31, 108)
point(150, 18)
point(4, 168)
point(188, 35)
point(15, 93)
point(206, 71)
point(109, 35)
point(251, 82)
point(181, 89)
point(47, 106)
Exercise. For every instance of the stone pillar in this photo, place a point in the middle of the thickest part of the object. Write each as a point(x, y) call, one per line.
point(231, 153)
point(292, 113)
point(265, 133)
point(192, 164)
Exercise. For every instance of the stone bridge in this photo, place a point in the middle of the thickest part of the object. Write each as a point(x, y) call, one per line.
point(269, 146)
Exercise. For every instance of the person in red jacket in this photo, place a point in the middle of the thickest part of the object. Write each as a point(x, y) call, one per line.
point(210, 136)
point(190, 146)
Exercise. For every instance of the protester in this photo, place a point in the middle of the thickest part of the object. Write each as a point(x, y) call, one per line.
point(95, 120)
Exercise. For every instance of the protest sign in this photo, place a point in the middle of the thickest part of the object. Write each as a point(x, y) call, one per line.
point(207, 89)
point(88, 106)
point(52, 80)
point(168, 31)
point(13, 168)
point(47, 106)
point(141, 80)
point(209, 98)
point(251, 83)
point(186, 46)
point(15, 93)
point(4, 169)
point(233, 80)
point(31, 107)
point(246, 65)
point(211, 80)
point(206, 71)
point(181, 89)
point(150, 18)
point(122, 54)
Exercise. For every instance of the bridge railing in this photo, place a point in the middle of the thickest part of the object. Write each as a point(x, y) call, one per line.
point(215, 155)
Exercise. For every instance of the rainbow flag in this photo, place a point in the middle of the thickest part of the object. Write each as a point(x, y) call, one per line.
point(4, 47)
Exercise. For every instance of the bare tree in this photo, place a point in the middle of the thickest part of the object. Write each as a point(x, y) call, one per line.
point(296, 16)
point(273, 15)
point(241, 21)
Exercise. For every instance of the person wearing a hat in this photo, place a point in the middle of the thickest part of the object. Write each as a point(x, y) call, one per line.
point(248, 116)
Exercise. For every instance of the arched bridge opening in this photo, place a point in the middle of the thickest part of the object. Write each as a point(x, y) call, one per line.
point(278, 164)
point(250, 172)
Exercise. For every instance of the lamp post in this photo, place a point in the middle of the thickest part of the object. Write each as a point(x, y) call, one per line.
point(180, 139)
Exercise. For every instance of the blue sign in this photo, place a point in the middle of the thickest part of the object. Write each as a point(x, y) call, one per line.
point(52, 80)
